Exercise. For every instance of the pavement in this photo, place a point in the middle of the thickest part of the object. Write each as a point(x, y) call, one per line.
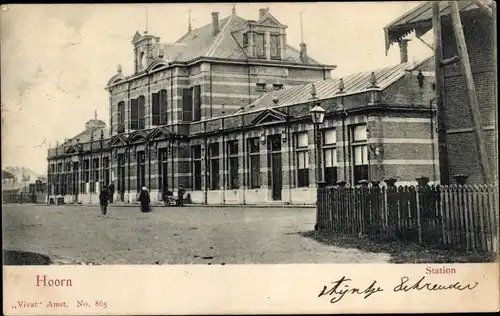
point(77, 234)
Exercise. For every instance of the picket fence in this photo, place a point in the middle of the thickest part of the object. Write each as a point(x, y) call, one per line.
point(464, 217)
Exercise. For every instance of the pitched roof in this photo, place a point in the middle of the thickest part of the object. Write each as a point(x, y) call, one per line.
point(7, 175)
point(86, 135)
point(226, 44)
point(419, 19)
point(326, 89)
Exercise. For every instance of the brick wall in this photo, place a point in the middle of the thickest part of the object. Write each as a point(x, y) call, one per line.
point(479, 37)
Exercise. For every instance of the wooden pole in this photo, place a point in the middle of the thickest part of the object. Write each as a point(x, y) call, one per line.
point(440, 104)
point(469, 82)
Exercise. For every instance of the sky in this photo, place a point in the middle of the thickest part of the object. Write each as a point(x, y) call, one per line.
point(57, 58)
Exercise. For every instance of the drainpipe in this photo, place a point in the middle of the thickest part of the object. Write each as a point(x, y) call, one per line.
point(344, 115)
point(223, 160)
point(432, 141)
point(207, 179)
point(290, 160)
point(171, 97)
point(244, 147)
point(210, 91)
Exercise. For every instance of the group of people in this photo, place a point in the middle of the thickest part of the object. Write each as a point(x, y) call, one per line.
point(106, 197)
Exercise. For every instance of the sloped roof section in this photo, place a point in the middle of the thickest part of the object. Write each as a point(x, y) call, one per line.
point(226, 44)
point(326, 89)
point(419, 19)
point(7, 175)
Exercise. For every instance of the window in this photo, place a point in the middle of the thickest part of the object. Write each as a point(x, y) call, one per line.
point(245, 40)
point(163, 100)
point(75, 179)
point(360, 153)
point(301, 148)
point(275, 46)
point(95, 177)
point(277, 86)
point(106, 178)
point(163, 168)
point(213, 152)
point(330, 156)
point(187, 104)
point(232, 150)
point(141, 170)
point(86, 175)
point(142, 112)
point(254, 162)
point(155, 109)
point(134, 114)
point(59, 179)
point(121, 117)
point(142, 61)
point(260, 41)
point(260, 87)
point(196, 103)
point(67, 178)
point(196, 154)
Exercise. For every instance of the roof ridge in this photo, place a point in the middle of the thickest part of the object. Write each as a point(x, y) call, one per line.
point(219, 37)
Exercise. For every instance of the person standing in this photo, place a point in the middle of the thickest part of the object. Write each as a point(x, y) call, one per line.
point(180, 195)
point(145, 199)
point(111, 187)
point(103, 200)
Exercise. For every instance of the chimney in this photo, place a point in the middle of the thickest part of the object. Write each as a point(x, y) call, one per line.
point(262, 13)
point(215, 23)
point(403, 50)
point(303, 53)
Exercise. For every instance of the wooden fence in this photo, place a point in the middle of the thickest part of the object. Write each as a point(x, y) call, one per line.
point(464, 217)
point(23, 197)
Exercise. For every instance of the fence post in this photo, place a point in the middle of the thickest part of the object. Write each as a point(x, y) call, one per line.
point(422, 203)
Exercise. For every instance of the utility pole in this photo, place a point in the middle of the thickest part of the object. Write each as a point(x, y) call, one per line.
point(471, 92)
point(440, 104)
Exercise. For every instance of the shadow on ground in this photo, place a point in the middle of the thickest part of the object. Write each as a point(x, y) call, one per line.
point(401, 252)
point(24, 258)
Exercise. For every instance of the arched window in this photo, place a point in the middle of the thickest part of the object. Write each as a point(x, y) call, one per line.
point(159, 107)
point(142, 112)
point(142, 60)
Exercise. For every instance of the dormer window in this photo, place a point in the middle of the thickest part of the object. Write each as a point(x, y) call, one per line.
point(260, 45)
point(245, 40)
point(275, 46)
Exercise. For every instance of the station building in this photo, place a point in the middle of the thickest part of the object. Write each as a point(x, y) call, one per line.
point(224, 112)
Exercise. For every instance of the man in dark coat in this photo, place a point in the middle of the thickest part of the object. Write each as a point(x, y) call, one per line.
point(144, 199)
point(103, 200)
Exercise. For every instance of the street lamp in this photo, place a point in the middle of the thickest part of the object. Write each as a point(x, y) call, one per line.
point(317, 117)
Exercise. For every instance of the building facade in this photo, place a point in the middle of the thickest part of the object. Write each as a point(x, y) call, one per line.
point(480, 34)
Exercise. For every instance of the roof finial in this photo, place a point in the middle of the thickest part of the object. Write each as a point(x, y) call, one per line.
point(189, 22)
point(233, 11)
point(373, 80)
point(341, 85)
point(313, 91)
point(95, 114)
point(146, 30)
point(301, 29)
point(119, 68)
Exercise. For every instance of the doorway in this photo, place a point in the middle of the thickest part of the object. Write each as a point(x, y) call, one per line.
point(274, 165)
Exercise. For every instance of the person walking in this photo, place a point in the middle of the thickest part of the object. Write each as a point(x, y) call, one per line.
point(103, 200)
point(145, 199)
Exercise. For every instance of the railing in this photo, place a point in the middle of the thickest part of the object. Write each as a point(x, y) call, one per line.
point(464, 217)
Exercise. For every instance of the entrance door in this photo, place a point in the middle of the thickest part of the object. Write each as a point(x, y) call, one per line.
point(121, 177)
point(274, 163)
point(276, 175)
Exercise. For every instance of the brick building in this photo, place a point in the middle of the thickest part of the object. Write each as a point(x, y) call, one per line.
point(199, 113)
point(210, 71)
point(480, 34)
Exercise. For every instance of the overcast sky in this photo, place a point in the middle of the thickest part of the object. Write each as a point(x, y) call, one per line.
point(56, 59)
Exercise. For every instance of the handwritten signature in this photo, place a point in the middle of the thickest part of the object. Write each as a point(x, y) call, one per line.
point(341, 287)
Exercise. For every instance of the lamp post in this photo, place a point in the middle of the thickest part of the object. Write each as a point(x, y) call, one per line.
point(317, 117)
